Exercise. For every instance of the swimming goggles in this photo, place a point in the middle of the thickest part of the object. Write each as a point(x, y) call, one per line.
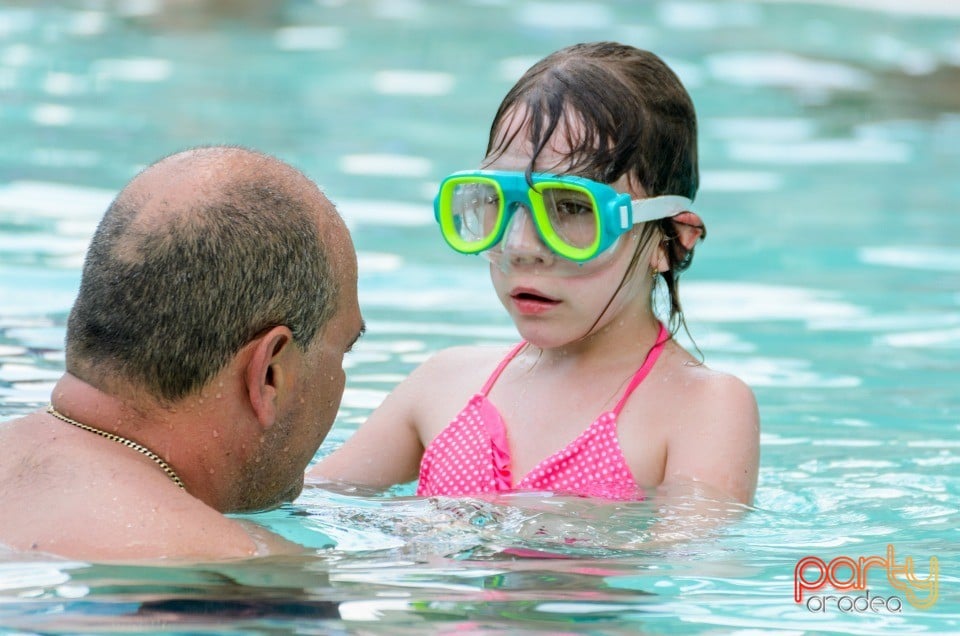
point(576, 218)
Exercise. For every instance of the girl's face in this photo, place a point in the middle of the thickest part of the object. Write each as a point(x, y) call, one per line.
point(555, 310)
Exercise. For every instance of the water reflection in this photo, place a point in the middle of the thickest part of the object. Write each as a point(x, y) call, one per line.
point(515, 525)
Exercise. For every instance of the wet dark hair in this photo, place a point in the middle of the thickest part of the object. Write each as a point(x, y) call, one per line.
point(624, 112)
point(165, 305)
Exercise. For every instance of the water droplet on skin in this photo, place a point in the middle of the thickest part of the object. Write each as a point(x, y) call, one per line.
point(216, 433)
point(211, 471)
point(218, 395)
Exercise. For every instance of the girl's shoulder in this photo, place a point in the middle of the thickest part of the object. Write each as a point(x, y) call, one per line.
point(466, 366)
point(700, 386)
point(709, 425)
point(448, 379)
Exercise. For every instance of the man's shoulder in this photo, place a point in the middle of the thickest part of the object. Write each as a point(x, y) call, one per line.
point(122, 524)
point(68, 494)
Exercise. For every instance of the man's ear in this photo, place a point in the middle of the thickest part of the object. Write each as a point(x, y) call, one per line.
point(267, 372)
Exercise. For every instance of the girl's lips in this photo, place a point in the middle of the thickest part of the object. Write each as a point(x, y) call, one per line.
point(531, 301)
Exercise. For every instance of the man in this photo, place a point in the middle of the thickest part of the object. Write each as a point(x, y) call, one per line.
point(203, 367)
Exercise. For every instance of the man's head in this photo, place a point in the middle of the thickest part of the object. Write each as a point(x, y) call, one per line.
point(199, 253)
point(206, 255)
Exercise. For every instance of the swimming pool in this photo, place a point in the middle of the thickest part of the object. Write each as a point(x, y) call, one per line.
point(830, 282)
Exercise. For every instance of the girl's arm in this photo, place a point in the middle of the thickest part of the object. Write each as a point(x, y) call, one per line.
point(386, 449)
point(718, 444)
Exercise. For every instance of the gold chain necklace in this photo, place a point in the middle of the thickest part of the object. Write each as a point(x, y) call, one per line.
point(143, 450)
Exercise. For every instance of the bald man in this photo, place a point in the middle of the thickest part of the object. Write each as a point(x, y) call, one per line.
point(203, 367)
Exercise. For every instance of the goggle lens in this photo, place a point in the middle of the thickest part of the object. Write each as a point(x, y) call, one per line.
point(475, 211)
point(573, 221)
point(472, 216)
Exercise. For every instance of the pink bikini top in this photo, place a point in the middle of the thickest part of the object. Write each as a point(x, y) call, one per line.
point(472, 455)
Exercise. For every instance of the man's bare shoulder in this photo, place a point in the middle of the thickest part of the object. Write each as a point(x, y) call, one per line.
point(103, 504)
point(136, 526)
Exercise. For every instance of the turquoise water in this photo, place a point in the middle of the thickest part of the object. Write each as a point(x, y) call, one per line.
point(830, 281)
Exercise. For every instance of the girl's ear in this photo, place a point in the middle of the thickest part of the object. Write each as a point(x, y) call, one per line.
point(689, 228)
point(658, 258)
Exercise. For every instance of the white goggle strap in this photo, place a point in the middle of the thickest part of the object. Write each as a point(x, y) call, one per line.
point(655, 208)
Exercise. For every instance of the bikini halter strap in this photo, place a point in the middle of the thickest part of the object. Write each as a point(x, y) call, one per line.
point(662, 336)
point(645, 368)
point(500, 367)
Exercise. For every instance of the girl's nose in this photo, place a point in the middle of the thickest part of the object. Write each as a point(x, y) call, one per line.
point(521, 240)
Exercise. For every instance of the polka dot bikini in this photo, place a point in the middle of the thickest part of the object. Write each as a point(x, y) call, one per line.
point(471, 455)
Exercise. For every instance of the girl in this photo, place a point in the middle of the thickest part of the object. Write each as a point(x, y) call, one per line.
point(581, 205)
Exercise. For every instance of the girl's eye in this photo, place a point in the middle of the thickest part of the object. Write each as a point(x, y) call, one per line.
point(573, 207)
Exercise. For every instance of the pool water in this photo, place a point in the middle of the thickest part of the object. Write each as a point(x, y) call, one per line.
point(830, 281)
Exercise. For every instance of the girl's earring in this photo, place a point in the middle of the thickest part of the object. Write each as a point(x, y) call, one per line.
point(654, 272)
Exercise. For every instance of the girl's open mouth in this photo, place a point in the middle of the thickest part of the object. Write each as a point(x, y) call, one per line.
point(531, 301)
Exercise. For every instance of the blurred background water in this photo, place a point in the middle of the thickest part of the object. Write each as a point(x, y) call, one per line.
point(830, 281)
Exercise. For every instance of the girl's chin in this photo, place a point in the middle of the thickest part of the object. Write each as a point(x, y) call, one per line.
point(545, 339)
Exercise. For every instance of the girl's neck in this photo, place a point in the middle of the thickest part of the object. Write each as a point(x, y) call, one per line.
point(625, 337)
